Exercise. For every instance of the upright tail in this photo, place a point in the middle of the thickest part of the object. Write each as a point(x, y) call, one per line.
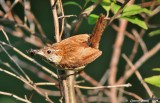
point(97, 32)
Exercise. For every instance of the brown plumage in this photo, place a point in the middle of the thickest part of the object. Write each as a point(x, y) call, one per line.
point(74, 52)
point(97, 32)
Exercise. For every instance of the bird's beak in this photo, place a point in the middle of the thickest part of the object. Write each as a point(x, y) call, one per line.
point(35, 52)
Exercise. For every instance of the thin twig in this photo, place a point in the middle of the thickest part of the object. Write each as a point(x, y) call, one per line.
point(104, 77)
point(54, 4)
point(119, 11)
point(93, 82)
point(129, 35)
point(138, 75)
point(95, 99)
point(15, 96)
point(21, 79)
point(56, 22)
point(30, 59)
point(27, 77)
point(85, 13)
point(4, 6)
point(134, 50)
point(67, 16)
point(33, 69)
point(6, 36)
point(102, 87)
point(31, 24)
point(34, 39)
point(48, 99)
point(131, 94)
point(139, 62)
point(24, 81)
point(31, 19)
point(140, 40)
point(49, 92)
point(103, 80)
point(155, 11)
point(149, 3)
point(12, 6)
point(10, 67)
point(44, 84)
point(62, 12)
point(80, 96)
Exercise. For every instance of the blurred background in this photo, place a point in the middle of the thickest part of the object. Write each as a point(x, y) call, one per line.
point(43, 13)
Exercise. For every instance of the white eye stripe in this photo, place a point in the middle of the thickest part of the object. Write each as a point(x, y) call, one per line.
point(56, 50)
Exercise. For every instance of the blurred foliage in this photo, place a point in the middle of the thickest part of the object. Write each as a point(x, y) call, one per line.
point(154, 33)
point(154, 80)
point(43, 13)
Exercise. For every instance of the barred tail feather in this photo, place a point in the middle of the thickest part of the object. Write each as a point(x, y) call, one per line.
point(97, 32)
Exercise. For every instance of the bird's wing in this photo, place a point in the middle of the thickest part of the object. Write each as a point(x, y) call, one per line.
point(80, 56)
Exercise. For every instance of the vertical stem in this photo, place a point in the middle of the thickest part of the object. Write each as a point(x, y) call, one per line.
point(117, 52)
point(65, 93)
point(56, 21)
point(67, 87)
point(70, 85)
point(62, 13)
point(115, 59)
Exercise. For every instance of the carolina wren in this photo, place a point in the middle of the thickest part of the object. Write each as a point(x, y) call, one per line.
point(75, 52)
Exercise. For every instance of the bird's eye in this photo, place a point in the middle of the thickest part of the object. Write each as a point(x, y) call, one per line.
point(48, 51)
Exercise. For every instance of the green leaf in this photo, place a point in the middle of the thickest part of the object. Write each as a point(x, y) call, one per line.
point(156, 69)
point(72, 3)
point(134, 9)
point(154, 80)
point(115, 7)
point(86, 2)
point(95, 1)
point(92, 19)
point(114, 1)
point(154, 33)
point(106, 5)
point(136, 21)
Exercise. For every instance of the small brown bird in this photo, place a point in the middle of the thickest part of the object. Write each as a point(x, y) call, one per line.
point(75, 52)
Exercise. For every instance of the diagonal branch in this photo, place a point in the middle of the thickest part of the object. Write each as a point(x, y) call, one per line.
point(138, 75)
point(143, 59)
point(30, 59)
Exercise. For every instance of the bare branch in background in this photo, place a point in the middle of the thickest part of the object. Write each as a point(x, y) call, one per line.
point(103, 87)
point(138, 75)
point(132, 94)
point(138, 63)
point(30, 59)
point(129, 35)
point(117, 50)
point(15, 96)
point(28, 31)
point(56, 20)
point(141, 42)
